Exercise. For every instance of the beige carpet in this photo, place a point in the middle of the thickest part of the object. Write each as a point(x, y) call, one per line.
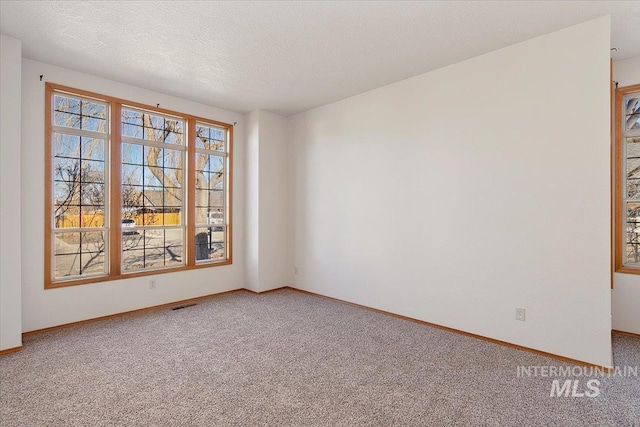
point(287, 358)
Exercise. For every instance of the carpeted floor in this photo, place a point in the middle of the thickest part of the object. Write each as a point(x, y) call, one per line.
point(287, 358)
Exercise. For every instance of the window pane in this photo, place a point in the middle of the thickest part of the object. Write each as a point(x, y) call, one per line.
point(66, 120)
point(93, 262)
point(66, 104)
point(144, 249)
point(172, 138)
point(209, 206)
point(152, 127)
point(132, 154)
point(67, 216)
point(202, 215)
point(94, 124)
point(133, 131)
point(95, 110)
point(78, 177)
point(210, 137)
point(66, 145)
point(633, 233)
point(92, 171)
point(216, 165)
point(92, 216)
point(172, 159)
point(633, 178)
point(209, 243)
point(172, 198)
point(632, 113)
point(152, 193)
point(202, 162)
point(78, 185)
point(76, 113)
point(202, 136)
point(66, 169)
point(633, 167)
point(66, 265)
point(210, 196)
point(131, 199)
point(92, 194)
point(132, 117)
point(149, 216)
point(203, 180)
point(132, 175)
point(92, 149)
point(152, 176)
point(79, 253)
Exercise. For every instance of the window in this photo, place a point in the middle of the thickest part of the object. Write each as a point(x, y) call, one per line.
point(79, 140)
point(132, 189)
point(211, 221)
point(153, 159)
point(627, 180)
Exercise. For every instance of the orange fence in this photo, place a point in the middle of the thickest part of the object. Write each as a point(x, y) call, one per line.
point(97, 220)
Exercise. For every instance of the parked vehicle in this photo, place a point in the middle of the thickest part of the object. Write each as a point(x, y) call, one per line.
point(215, 218)
point(128, 223)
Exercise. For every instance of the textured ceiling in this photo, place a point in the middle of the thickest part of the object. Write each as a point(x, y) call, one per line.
point(286, 57)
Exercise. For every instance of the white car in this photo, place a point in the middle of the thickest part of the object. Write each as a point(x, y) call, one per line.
point(215, 218)
point(128, 223)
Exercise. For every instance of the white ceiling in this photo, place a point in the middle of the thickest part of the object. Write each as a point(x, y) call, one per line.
point(287, 57)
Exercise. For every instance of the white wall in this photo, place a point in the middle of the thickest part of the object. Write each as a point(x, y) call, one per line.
point(10, 216)
point(458, 195)
point(273, 201)
point(627, 72)
point(43, 308)
point(266, 166)
point(252, 209)
point(625, 296)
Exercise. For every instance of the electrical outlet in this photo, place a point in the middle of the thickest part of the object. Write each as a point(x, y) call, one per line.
point(296, 270)
point(152, 284)
point(520, 314)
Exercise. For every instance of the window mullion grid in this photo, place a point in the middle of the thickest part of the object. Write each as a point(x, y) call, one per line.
point(115, 193)
point(225, 177)
point(184, 208)
point(82, 228)
point(224, 180)
point(624, 189)
point(626, 200)
point(112, 199)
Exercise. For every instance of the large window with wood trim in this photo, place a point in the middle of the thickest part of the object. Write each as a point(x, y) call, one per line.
point(627, 179)
point(132, 189)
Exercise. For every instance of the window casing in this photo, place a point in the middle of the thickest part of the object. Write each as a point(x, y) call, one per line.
point(627, 180)
point(131, 189)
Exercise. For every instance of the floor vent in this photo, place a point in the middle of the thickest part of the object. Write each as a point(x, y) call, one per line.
point(180, 307)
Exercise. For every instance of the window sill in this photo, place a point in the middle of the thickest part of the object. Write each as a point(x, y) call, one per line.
point(75, 282)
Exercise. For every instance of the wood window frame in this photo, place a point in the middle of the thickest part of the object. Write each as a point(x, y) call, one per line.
point(619, 182)
point(114, 254)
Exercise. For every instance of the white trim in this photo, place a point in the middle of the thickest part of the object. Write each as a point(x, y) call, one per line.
point(138, 141)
